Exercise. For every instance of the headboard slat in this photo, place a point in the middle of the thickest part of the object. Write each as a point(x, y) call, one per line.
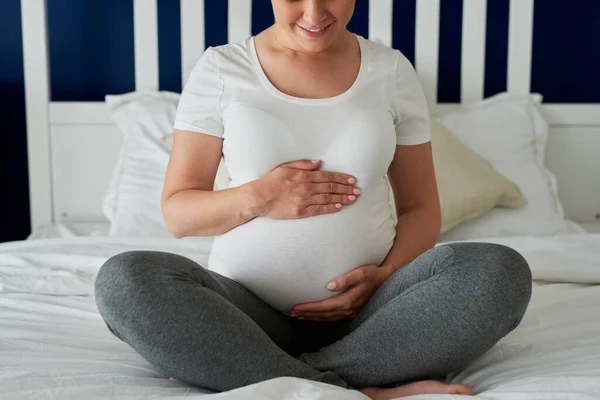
point(37, 97)
point(145, 25)
point(520, 39)
point(473, 50)
point(193, 42)
point(239, 20)
point(380, 21)
point(427, 37)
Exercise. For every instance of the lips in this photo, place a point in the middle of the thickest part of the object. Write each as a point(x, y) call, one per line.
point(315, 32)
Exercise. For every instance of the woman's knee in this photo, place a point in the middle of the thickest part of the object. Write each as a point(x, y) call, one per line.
point(509, 269)
point(120, 270)
point(119, 276)
point(503, 276)
point(132, 272)
point(126, 279)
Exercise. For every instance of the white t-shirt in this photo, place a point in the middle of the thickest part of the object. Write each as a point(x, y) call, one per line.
point(286, 262)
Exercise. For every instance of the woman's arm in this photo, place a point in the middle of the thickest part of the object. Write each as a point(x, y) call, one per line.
point(412, 177)
point(289, 191)
point(189, 204)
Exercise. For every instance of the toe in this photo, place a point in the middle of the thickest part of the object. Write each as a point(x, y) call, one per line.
point(460, 389)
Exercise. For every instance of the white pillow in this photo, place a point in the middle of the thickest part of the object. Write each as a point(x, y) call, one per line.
point(468, 185)
point(509, 131)
point(132, 201)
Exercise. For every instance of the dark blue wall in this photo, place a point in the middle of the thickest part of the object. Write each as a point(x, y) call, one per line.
point(91, 54)
point(14, 223)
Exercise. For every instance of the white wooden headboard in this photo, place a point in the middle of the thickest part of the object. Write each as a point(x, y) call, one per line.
point(73, 146)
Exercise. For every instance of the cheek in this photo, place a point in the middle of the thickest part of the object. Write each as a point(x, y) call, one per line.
point(286, 15)
point(343, 10)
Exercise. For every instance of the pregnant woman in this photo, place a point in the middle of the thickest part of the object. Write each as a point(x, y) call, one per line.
point(310, 274)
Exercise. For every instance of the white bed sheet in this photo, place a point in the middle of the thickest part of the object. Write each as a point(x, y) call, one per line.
point(70, 229)
point(54, 345)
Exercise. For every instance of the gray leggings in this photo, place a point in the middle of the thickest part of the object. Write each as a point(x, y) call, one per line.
point(432, 317)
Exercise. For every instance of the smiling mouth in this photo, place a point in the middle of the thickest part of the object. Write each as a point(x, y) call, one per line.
point(317, 30)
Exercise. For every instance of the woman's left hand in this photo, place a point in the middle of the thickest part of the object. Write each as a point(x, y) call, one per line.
point(357, 286)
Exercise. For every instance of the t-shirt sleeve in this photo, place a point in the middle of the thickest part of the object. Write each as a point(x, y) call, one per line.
point(199, 106)
point(410, 106)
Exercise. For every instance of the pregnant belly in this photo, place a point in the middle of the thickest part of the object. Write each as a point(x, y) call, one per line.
point(291, 261)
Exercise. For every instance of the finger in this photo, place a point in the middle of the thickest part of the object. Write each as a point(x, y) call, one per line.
point(343, 282)
point(336, 188)
point(328, 314)
point(331, 304)
point(320, 209)
point(307, 165)
point(328, 198)
point(327, 319)
point(336, 177)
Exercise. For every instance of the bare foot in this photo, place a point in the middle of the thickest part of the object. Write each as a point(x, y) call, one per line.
point(422, 387)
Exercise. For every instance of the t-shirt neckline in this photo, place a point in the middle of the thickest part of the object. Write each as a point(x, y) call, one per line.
point(314, 101)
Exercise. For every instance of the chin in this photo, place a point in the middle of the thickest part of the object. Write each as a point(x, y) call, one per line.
point(313, 47)
point(315, 44)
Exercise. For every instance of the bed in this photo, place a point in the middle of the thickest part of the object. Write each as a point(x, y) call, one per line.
point(55, 345)
point(95, 175)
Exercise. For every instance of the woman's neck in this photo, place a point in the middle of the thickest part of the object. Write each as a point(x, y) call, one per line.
point(281, 41)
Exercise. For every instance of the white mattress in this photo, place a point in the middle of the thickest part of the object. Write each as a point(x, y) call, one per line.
point(54, 345)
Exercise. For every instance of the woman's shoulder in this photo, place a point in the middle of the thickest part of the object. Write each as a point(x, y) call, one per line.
point(376, 47)
point(384, 56)
point(230, 52)
point(227, 61)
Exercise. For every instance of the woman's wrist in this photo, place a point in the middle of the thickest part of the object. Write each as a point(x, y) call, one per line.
point(386, 271)
point(254, 204)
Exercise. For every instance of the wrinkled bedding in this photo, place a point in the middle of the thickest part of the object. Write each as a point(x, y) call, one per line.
point(53, 343)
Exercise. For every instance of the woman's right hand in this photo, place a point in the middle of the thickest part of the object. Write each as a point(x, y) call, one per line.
point(297, 190)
